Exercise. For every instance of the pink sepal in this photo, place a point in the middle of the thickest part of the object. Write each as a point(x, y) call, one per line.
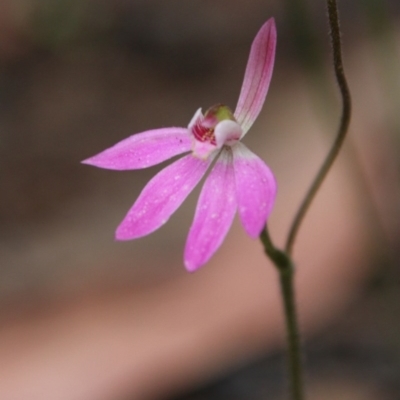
point(255, 189)
point(144, 149)
point(161, 197)
point(257, 76)
point(214, 213)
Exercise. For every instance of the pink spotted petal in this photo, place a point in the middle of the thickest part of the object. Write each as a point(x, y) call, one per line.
point(144, 149)
point(214, 213)
point(161, 197)
point(255, 189)
point(257, 76)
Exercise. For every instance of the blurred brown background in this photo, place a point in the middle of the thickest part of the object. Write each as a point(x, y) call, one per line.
point(84, 317)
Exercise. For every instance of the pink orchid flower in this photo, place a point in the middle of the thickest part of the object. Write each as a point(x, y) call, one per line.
point(238, 180)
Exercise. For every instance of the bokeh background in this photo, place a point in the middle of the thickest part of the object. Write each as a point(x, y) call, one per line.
point(83, 317)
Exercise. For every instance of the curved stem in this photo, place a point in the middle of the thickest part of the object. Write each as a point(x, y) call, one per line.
point(343, 127)
point(282, 259)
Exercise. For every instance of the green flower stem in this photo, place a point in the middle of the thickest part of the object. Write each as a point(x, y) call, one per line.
point(343, 127)
point(286, 273)
point(282, 259)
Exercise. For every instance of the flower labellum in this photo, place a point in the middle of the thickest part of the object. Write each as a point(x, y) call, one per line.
point(238, 181)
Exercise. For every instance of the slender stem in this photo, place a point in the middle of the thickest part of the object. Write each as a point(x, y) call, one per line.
point(343, 127)
point(282, 259)
point(293, 337)
point(286, 274)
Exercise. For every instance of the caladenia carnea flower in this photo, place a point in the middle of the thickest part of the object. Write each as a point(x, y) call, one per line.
point(238, 180)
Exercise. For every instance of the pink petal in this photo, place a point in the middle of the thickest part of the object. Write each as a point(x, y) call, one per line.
point(144, 149)
point(203, 150)
point(257, 76)
point(214, 213)
point(255, 189)
point(161, 197)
